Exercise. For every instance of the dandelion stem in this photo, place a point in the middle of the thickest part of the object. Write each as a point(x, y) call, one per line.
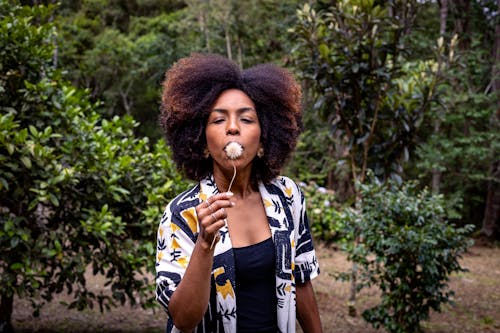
point(232, 179)
point(229, 190)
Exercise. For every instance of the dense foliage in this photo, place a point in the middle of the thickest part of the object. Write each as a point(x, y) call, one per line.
point(374, 100)
point(121, 49)
point(463, 136)
point(77, 190)
point(379, 105)
point(404, 89)
point(407, 248)
point(378, 85)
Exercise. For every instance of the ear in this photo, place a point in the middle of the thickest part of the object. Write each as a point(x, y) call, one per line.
point(206, 153)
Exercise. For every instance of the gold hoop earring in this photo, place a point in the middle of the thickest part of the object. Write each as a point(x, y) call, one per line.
point(260, 152)
point(206, 153)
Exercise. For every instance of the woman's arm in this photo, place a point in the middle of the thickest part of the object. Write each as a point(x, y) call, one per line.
point(307, 308)
point(189, 301)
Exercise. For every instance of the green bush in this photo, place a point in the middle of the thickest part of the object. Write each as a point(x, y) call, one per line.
point(406, 248)
point(325, 219)
point(77, 190)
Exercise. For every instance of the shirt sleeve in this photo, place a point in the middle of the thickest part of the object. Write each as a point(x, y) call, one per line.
point(174, 246)
point(306, 263)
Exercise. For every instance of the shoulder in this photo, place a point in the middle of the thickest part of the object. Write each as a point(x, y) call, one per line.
point(286, 189)
point(180, 213)
point(286, 185)
point(184, 200)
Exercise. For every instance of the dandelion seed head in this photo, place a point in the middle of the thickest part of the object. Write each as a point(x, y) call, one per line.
point(233, 150)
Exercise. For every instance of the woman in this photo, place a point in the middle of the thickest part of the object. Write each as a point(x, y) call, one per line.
point(234, 252)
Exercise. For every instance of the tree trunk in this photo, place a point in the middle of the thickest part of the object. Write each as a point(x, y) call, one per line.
point(462, 11)
point(443, 12)
point(228, 43)
point(124, 96)
point(351, 307)
point(354, 270)
point(491, 220)
point(204, 28)
point(240, 52)
point(436, 173)
point(443, 16)
point(6, 306)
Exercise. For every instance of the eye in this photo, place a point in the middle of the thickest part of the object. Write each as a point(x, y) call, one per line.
point(217, 121)
point(247, 120)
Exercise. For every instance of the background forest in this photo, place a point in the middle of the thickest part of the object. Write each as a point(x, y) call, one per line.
point(401, 97)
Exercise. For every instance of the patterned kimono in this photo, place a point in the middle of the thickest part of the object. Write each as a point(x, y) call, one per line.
point(295, 256)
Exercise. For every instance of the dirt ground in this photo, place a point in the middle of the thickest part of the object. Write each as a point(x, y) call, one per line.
point(476, 308)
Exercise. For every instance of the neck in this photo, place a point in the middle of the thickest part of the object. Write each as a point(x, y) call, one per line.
point(241, 186)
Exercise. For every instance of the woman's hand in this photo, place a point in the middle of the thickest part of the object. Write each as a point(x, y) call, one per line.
point(212, 216)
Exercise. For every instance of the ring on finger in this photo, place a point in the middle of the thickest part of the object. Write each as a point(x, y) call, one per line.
point(210, 208)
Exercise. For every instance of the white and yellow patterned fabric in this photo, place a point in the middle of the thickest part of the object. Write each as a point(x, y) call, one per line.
point(295, 256)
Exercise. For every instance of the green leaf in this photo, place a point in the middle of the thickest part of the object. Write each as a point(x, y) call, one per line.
point(33, 130)
point(26, 161)
point(4, 184)
point(324, 51)
point(17, 266)
point(10, 148)
point(53, 199)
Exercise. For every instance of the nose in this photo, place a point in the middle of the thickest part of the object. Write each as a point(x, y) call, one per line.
point(232, 127)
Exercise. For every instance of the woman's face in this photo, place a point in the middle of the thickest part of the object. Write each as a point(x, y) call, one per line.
point(233, 118)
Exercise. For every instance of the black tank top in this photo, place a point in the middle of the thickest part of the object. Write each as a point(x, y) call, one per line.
point(256, 288)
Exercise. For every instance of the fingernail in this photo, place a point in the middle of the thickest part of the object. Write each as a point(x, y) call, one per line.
point(229, 194)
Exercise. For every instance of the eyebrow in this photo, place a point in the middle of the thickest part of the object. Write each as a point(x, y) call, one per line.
point(240, 110)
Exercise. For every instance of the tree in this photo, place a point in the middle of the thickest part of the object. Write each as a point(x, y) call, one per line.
point(122, 62)
point(463, 148)
point(121, 49)
point(491, 220)
point(354, 58)
point(248, 32)
point(77, 190)
point(409, 251)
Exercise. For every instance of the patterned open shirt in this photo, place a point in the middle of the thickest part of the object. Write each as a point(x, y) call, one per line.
point(295, 256)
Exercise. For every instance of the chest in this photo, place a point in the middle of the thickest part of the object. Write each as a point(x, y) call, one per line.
point(247, 222)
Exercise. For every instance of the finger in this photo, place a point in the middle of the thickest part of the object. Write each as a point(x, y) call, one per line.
point(213, 218)
point(210, 229)
point(219, 196)
point(213, 229)
point(214, 203)
point(217, 202)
